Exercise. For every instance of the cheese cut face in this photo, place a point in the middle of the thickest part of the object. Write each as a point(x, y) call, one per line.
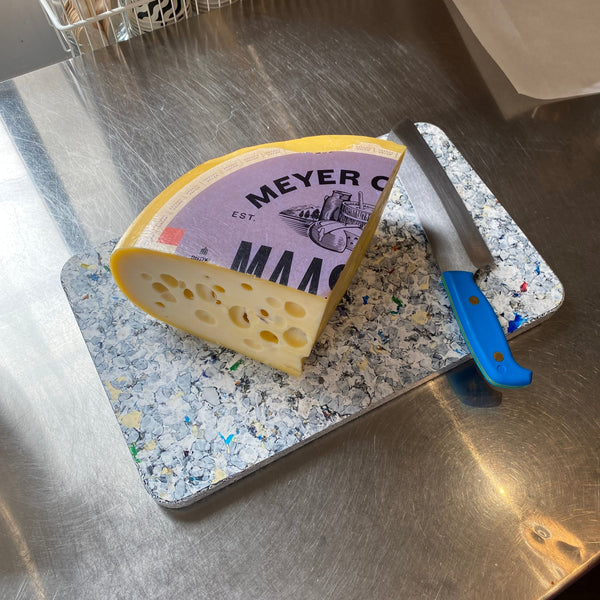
point(254, 250)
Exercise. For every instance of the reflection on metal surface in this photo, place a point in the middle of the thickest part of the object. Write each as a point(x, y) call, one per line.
point(29, 149)
point(20, 542)
point(445, 491)
point(492, 473)
point(560, 549)
point(471, 388)
point(288, 126)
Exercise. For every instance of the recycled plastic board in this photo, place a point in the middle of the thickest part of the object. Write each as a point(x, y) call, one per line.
point(197, 416)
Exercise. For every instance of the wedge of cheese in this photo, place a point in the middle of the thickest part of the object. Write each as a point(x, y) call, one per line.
point(254, 250)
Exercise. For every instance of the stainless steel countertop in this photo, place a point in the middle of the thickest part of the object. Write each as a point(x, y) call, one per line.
point(438, 494)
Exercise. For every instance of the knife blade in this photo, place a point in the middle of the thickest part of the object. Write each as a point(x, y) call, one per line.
point(460, 251)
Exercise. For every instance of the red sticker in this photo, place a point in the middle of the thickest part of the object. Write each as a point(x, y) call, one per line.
point(171, 236)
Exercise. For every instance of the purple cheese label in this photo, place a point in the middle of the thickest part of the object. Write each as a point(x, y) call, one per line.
point(293, 219)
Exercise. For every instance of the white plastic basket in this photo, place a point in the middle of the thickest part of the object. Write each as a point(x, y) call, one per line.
point(86, 25)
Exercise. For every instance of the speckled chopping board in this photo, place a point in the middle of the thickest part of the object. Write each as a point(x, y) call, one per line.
point(196, 416)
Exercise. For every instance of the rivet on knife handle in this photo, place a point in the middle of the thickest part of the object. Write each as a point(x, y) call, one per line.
point(482, 332)
point(459, 250)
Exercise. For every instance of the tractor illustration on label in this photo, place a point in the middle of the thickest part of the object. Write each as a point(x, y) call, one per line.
point(336, 226)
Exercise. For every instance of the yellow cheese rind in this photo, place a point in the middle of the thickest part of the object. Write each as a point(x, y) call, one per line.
point(272, 323)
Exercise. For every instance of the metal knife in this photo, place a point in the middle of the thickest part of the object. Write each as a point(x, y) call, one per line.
point(459, 250)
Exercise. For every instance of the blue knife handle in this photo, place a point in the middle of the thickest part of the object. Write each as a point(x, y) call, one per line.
point(482, 332)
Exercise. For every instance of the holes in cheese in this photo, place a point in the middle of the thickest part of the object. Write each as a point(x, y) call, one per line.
point(269, 336)
point(253, 344)
point(169, 279)
point(294, 309)
point(239, 317)
point(205, 292)
point(205, 317)
point(295, 337)
point(254, 250)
